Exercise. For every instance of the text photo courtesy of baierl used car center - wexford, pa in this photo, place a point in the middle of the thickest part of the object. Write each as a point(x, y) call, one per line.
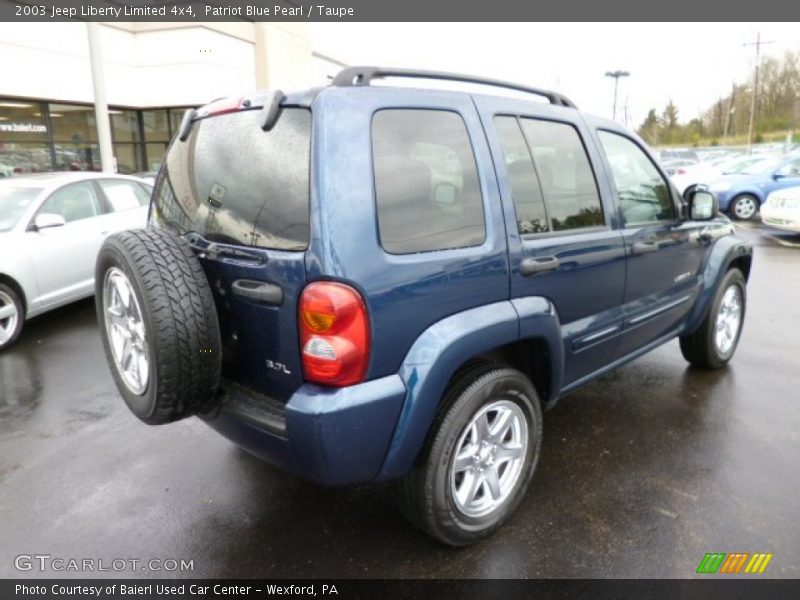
point(392, 300)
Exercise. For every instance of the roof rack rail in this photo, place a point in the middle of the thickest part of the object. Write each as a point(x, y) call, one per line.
point(362, 76)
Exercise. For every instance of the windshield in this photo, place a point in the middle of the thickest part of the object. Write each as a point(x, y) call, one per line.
point(752, 166)
point(14, 200)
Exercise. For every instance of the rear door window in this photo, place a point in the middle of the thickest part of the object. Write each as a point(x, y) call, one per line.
point(74, 202)
point(234, 183)
point(565, 174)
point(124, 195)
point(426, 182)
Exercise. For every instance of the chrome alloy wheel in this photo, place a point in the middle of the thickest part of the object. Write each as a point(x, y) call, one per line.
point(125, 330)
point(729, 319)
point(9, 317)
point(745, 208)
point(489, 458)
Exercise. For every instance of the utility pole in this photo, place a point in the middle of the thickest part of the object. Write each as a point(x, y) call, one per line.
point(731, 108)
point(758, 43)
point(616, 75)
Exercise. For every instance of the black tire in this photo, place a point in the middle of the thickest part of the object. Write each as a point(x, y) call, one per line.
point(180, 323)
point(9, 294)
point(732, 210)
point(424, 493)
point(700, 347)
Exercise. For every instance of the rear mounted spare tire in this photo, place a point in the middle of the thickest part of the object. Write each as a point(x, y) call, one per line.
point(158, 324)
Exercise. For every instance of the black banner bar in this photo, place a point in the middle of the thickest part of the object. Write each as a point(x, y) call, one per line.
point(396, 589)
point(394, 10)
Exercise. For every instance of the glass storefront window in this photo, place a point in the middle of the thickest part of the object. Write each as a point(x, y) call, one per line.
point(124, 125)
point(18, 159)
point(73, 123)
point(77, 157)
point(127, 158)
point(156, 125)
point(21, 121)
point(155, 154)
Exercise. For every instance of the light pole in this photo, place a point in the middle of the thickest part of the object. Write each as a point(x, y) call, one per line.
point(616, 75)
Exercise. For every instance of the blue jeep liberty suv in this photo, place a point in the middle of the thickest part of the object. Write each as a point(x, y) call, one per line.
point(368, 283)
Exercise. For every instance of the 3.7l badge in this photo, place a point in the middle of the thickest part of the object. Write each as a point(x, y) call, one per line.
point(279, 367)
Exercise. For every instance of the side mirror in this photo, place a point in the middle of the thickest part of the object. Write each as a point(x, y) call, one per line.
point(776, 176)
point(703, 205)
point(48, 220)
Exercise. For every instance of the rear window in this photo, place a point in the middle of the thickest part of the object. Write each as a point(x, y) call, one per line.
point(233, 183)
point(426, 182)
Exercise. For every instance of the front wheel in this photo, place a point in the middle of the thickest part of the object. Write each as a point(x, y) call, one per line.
point(474, 472)
point(744, 207)
point(715, 341)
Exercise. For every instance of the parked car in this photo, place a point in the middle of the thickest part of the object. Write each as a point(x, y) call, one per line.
point(782, 209)
point(679, 153)
point(51, 228)
point(674, 165)
point(741, 194)
point(148, 176)
point(687, 178)
point(402, 302)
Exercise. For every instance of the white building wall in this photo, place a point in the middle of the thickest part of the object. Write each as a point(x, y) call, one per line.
point(147, 66)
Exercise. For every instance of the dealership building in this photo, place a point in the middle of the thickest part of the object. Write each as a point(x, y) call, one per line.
point(153, 72)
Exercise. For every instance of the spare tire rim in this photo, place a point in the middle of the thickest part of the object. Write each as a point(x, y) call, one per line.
point(488, 459)
point(729, 318)
point(125, 331)
point(9, 316)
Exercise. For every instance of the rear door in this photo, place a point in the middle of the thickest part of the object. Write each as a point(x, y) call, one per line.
point(563, 241)
point(240, 195)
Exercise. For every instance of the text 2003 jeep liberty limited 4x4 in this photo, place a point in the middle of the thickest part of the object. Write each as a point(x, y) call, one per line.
point(368, 283)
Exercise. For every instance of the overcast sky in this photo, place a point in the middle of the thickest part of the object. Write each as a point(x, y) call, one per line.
point(693, 64)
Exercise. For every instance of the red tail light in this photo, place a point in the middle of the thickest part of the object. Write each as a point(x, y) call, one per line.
point(681, 172)
point(334, 334)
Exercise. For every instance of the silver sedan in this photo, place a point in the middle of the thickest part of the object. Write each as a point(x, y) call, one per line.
point(51, 229)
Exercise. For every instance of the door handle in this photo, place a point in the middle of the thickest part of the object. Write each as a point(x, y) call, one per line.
point(540, 264)
point(644, 247)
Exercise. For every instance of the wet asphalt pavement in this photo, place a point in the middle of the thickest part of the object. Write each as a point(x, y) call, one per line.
point(641, 474)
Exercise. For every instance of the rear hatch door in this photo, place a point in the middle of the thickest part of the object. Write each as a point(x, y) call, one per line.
point(240, 196)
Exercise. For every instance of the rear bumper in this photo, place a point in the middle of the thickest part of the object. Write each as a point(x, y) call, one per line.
point(331, 436)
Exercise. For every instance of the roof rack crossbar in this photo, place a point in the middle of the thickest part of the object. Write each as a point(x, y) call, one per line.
point(363, 76)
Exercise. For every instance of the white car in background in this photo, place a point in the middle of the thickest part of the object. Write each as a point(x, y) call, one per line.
point(782, 209)
point(51, 229)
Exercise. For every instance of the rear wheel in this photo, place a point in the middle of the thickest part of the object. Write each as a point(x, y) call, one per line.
point(158, 323)
point(715, 341)
point(12, 315)
point(476, 468)
point(744, 207)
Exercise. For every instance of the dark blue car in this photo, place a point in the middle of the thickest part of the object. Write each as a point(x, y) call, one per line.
point(742, 194)
point(364, 283)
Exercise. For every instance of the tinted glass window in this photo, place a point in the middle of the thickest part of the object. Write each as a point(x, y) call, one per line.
point(426, 182)
point(525, 189)
point(74, 202)
point(124, 195)
point(791, 169)
point(643, 194)
point(565, 174)
point(234, 183)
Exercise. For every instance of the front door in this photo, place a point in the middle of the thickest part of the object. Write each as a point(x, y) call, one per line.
point(664, 253)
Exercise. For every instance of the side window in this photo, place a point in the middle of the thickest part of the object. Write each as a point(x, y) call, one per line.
point(644, 196)
point(525, 189)
point(565, 174)
point(791, 169)
point(426, 182)
point(74, 202)
point(124, 195)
